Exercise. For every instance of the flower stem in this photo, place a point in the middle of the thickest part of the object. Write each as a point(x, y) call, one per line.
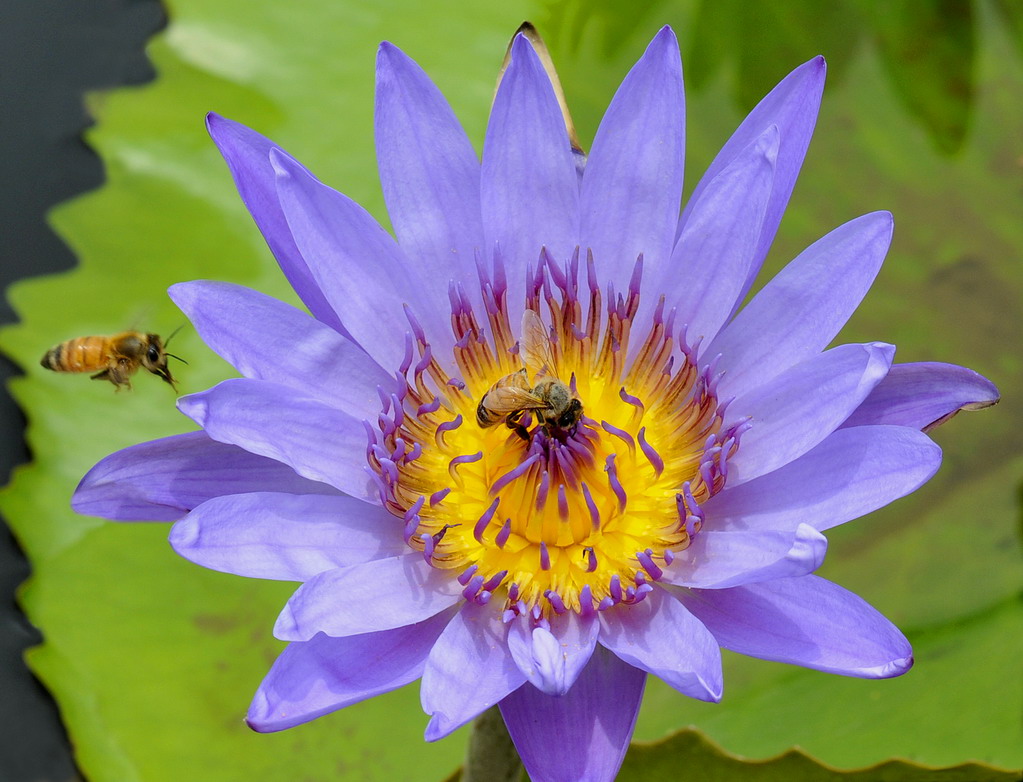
point(491, 756)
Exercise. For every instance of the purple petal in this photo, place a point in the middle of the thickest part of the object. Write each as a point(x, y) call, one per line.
point(851, 473)
point(799, 408)
point(164, 479)
point(469, 670)
point(583, 734)
point(315, 677)
point(924, 396)
point(266, 339)
point(709, 265)
point(316, 441)
point(248, 157)
point(804, 621)
point(632, 186)
point(360, 269)
point(553, 659)
point(719, 559)
point(290, 537)
point(802, 309)
point(661, 637)
point(428, 169)
point(529, 184)
point(379, 595)
point(791, 106)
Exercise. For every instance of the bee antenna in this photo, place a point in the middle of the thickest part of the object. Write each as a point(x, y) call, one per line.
point(179, 358)
point(166, 342)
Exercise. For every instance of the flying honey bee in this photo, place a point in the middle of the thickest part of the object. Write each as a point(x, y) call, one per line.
point(117, 358)
point(512, 395)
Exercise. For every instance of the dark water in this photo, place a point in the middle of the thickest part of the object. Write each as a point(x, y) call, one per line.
point(52, 52)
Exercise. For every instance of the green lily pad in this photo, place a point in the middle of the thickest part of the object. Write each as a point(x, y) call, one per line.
point(153, 660)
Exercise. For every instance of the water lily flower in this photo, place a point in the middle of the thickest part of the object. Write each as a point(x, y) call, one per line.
point(531, 449)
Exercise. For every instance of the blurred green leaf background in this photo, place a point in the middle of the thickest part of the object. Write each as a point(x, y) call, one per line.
point(153, 660)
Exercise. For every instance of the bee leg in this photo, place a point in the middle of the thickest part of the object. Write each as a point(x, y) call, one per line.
point(119, 377)
point(519, 429)
point(104, 375)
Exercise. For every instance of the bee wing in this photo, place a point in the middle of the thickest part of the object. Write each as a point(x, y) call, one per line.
point(509, 399)
point(535, 346)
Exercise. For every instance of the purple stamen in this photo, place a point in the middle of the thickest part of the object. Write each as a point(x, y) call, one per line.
point(629, 399)
point(508, 615)
point(649, 565)
point(707, 474)
point(591, 559)
point(467, 574)
point(639, 578)
point(390, 471)
point(385, 399)
point(428, 407)
point(691, 504)
point(446, 426)
point(472, 587)
point(562, 502)
point(512, 474)
point(495, 581)
point(637, 276)
point(545, 557)
point(459, 460)
point(605, 604)
point(621, 434)
point(415, 453)
point(483, 598)
point(614, 483)
point(417, 330)
point(385, 424)
point(424, 362)
point(652, 456)
point(541, 492)
point(484, 520)
point(586, 600)
point(402, 385)
point(513, 592)
point(555, 271)
point(428, 546)
point(555, 600)
point(454, 382)
point(591, 506)
point(503, 534)
point(437, 496)
point(406, 362)
point(414, 509)
point(669, 556)
point(615, 588)
point(630, 595)
point(399, 449)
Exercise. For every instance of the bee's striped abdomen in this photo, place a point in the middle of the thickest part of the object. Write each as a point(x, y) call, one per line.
point(82, 354)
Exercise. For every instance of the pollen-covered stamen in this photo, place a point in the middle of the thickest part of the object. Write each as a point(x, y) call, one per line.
point(552, 507)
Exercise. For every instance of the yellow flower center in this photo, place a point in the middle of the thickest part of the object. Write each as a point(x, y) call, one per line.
point(541, 516)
